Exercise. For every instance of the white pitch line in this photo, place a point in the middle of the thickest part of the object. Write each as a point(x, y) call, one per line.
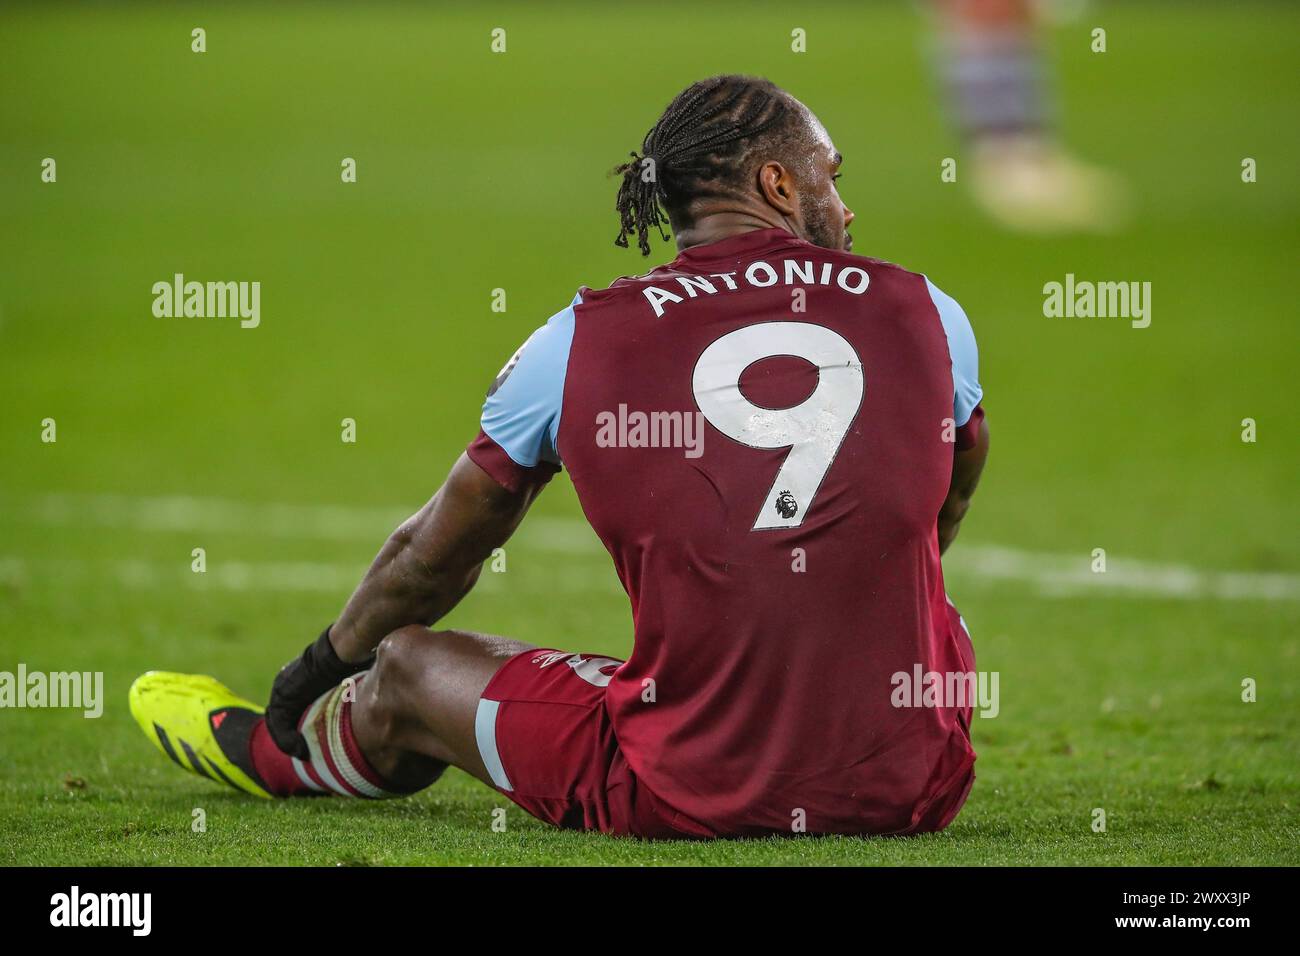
point(1066, 575)
point(220, 515)
point(1051, 574)
point(182, 513)
point(338, 579)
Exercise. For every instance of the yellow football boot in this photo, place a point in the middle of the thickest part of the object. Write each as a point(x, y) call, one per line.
point(202, 725)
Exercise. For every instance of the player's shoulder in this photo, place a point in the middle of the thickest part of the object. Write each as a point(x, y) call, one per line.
point(907, 289)
point(906, 281)
point(545, 353)
point(884, 268)
point(630, 285)
point(624, 300)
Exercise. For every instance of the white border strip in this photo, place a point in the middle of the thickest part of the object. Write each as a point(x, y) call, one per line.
point(485, 732)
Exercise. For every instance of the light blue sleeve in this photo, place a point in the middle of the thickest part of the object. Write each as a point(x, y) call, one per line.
point(522, 410)
point(966, 390)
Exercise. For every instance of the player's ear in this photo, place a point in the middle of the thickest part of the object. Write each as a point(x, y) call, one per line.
point(777, 188)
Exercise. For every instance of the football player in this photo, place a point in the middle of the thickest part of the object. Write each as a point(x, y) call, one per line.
point(783, 566)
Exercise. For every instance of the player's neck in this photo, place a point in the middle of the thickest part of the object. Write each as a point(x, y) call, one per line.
point(715, 227)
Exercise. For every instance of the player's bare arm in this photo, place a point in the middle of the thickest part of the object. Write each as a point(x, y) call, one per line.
point(432, 560)
point(967, 466)
point(424, 569)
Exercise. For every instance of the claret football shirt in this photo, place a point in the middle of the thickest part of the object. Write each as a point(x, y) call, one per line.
point(761, 432)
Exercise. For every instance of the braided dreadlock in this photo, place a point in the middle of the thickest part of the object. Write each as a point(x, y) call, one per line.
point(702, 144)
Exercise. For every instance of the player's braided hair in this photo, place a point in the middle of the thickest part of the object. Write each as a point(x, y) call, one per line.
point(702, 143)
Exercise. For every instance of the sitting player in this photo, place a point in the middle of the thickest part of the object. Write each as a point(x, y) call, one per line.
point(780, 570)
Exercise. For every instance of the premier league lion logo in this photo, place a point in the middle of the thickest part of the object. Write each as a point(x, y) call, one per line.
point(786, 506)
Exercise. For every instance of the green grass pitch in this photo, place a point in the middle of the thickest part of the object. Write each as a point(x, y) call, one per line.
point(477, 171)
